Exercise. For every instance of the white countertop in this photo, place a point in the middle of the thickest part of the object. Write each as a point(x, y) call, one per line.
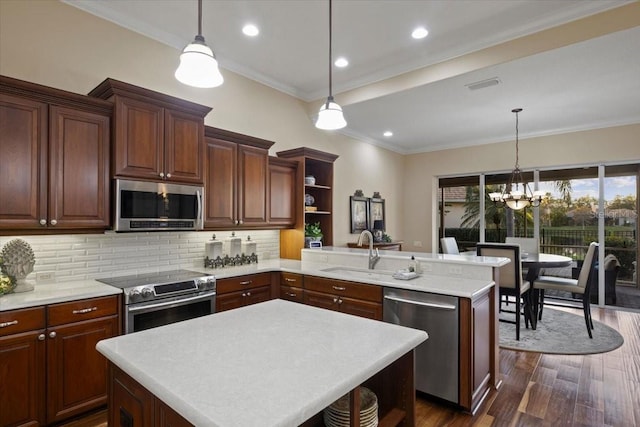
point(276, 363)
point(52, 293)
point(80, 289)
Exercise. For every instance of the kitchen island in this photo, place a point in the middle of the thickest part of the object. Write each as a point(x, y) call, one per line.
point(271, 364)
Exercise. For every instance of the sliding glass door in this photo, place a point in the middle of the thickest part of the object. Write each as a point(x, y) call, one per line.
point(583, 204)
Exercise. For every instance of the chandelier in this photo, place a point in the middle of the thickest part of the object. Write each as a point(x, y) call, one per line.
point(513, 197)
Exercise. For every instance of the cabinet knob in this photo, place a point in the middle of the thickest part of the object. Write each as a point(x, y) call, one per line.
point(161, 174)
point(54, 222)
point(41, 337)
point(168, 175)
point(248, 294)
point(335, 300)
point(240, 222)
point(43, 222)
point(235, 222)
point(339, 301)
point(52, 334)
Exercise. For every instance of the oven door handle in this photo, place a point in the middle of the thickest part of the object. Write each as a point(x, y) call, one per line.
point(169, 304)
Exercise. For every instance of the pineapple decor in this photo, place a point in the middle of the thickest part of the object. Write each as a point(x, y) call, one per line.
point(17, 262)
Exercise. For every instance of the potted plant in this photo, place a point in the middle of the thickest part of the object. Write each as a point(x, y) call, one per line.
point(312, 232)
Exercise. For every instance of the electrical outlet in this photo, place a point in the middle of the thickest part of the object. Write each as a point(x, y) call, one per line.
point(426, 267)
point(44, 276)
point(417, 243)
point(455, 270)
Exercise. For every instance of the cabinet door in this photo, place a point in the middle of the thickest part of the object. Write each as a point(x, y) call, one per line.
point(23, 163)
point(370, 310)
point(291, 293)
point(230, 301)
point(139, 145)
point(254, 296)
point(220, 184)
point(183, 147)
point(22, 376)
point(282, 194)
point(322, 300)
point(252, 185)
point(130, 404)
point(77, 378)
point(167, 417)
point(78, 169)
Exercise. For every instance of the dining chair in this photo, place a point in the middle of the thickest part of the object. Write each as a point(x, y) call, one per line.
point(576, 286)
point(528, 245)
point(449, 245)
point(510, 281)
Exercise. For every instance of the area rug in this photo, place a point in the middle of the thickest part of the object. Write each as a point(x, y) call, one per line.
point(560, 332)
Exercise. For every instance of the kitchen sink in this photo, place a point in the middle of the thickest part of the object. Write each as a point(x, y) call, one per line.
point(360, 273)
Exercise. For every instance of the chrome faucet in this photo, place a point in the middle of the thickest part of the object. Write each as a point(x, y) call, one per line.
point(373, 259)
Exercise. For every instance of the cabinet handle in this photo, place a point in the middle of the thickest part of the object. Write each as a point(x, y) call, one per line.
point(43, 222)
point(84, 310)
point(286, 279)
point(161, 174)
point(290, 294)
point(235, 222)
point(168, 175)
point(246, 282)
point(41, 337)
point(52, 334)
point(54, 222)
point(339, 288)
point(240, 222)
point(5, 324)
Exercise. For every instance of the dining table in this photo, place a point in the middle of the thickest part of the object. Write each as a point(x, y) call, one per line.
point(534, 262)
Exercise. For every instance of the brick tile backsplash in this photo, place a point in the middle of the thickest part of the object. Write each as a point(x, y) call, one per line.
point(91, 256)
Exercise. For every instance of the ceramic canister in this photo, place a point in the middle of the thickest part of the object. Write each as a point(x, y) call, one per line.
point(233, 245)
point(213, 248)
point(249, 246)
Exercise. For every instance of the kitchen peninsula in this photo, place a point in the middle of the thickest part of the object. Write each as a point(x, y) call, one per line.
point(275, 363)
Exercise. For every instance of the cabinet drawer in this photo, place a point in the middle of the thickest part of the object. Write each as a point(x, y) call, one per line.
point(233, 284)
point(76, 311)
point(291, 279)
point(344, 288)
point(290, 293)
point(16, 321)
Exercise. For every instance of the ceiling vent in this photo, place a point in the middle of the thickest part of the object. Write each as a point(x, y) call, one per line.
point(484, 83)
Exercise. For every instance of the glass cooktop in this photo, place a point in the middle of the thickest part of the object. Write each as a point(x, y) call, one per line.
point(151, 278)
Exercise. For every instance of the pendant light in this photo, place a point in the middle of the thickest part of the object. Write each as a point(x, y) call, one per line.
point(330, 115)
point(514, 198)
point(198, 66)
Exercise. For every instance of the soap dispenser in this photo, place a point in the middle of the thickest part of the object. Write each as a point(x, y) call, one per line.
point(233, 245)
point(413, 265)
point(249, 246)
point(213, 248)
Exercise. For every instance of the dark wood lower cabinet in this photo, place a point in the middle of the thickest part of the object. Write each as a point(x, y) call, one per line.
point(130, 404)
point(48, 374)
point(22, 379)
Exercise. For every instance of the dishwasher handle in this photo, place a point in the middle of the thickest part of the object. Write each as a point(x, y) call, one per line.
point(421, 303)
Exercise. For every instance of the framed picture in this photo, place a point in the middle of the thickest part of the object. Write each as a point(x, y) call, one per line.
point(359, 214)
point(376, 213)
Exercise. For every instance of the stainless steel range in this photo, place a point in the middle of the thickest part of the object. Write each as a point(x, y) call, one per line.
point(156, 299)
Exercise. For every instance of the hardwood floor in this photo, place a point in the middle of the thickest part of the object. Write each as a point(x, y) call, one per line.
point(545, 390)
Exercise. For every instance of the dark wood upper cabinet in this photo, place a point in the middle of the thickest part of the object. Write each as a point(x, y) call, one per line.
point(282, 191)
point(55, 158)
point(156, 136)
point(236, 183)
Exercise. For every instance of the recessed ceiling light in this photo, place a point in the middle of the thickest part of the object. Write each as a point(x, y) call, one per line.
point(341, 62)
point(419, 33)
point(388, 134)
point(250, 30)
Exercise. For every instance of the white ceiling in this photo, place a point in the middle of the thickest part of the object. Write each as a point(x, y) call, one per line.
point(585, 85)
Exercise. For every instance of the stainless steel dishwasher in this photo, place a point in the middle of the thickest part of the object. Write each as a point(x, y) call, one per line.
point(437, 357)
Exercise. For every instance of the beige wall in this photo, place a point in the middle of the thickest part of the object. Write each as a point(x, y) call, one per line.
point(51, 43)
point(601, 146)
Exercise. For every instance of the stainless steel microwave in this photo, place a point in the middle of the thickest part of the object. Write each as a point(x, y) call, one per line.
point(155, 206)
